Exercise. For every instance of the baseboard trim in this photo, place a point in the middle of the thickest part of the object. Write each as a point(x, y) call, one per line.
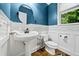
point(21, 54)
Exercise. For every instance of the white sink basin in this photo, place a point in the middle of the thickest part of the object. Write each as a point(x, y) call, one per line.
point(21, 36)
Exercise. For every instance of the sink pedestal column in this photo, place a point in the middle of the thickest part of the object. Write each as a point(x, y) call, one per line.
point(27, 49)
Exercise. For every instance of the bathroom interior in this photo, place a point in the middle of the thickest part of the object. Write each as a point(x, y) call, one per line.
point(39, 29)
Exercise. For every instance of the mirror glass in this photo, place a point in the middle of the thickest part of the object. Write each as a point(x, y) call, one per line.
point(23, 17)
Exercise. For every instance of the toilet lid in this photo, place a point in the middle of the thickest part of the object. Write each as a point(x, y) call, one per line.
point(51, 43)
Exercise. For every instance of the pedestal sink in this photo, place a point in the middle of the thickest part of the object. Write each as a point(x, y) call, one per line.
point(27, 38)
point(21, 36)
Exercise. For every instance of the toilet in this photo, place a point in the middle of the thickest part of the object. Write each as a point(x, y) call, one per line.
point(50, 46)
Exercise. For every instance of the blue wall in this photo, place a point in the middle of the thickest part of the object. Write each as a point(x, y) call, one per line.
point(28, 10)
point(14, 8)
point(52, 17)
point(5, 7)
point(40, 13)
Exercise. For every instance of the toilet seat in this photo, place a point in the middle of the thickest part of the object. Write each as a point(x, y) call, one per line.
point(51, 44)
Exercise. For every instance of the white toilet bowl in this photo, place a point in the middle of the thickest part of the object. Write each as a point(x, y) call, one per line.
point(50, 46)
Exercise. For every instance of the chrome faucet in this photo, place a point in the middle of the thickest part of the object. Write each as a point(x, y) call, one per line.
point(26, 30)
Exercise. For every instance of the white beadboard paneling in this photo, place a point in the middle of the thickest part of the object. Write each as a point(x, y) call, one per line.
point(15, 47)
point(38, 28)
